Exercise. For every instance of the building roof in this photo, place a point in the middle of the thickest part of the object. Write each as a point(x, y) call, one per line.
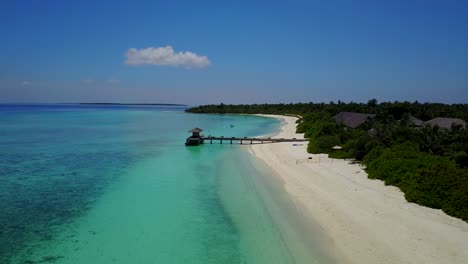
point(196, 130)
point(351, 119)
point(416, 122)
point(447, 123)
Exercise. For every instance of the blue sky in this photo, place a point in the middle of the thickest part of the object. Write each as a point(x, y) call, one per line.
point(234, 52)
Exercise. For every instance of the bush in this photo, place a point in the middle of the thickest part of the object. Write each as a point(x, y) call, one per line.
point(322, 144)
point(461, 159)
point(373, 154)
point(426, 179)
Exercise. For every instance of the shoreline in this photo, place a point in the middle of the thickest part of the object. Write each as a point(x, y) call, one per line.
point(366, 221)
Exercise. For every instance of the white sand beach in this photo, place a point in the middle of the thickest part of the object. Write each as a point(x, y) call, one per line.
point(367, 221)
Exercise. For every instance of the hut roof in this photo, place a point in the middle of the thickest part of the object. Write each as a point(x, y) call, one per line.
point(416, 122)
point(196, 130)
point(447, 123)
point(351, 119)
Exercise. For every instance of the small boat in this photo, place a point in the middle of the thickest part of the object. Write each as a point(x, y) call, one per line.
point(231, 125)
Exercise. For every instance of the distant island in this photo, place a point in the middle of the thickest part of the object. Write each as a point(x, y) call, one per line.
point(421, 148)
point(130, 104)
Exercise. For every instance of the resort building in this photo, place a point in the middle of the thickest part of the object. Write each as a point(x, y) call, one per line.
point(196, 139)
point(415, 122)
point(446, 123)
point(351, 119)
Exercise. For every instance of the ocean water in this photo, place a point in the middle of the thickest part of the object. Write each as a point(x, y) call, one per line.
point(88, 184)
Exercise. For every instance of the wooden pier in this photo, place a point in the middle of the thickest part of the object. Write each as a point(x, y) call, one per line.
point(197, 139)
point(250, 140)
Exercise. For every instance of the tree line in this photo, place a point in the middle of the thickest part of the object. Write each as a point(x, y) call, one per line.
point(428, 163)
point(423, 111)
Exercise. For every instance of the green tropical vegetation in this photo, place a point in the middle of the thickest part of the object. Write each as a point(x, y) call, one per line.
point(428, 163)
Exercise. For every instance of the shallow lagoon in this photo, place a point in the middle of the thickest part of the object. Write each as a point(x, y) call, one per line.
point(84, 184)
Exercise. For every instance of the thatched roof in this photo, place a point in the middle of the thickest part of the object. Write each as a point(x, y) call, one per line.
point(196, 130)
point(351, 119)
point(416, 122)
point(447, 123)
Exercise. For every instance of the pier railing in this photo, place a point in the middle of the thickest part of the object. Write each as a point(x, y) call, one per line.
point(250, 140)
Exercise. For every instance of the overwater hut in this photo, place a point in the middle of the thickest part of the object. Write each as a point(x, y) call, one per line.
point(196, 138)
point(196, 132)
point(351, 119)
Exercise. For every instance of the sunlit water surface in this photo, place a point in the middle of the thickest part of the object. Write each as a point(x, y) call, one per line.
point(87, 184)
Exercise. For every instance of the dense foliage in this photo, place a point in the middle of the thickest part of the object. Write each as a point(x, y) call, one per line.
point(426, 179)
point(423, 111)
point(429, 164)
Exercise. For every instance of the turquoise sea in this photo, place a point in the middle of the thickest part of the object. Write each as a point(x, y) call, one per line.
point(115, 184)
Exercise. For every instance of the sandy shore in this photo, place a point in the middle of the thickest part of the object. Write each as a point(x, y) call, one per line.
point(367, 221)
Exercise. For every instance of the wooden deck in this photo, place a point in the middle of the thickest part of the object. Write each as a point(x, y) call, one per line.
point(248, 140)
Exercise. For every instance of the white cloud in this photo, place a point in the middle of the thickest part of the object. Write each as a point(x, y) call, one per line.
point(165, 56)
point(25, 83)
